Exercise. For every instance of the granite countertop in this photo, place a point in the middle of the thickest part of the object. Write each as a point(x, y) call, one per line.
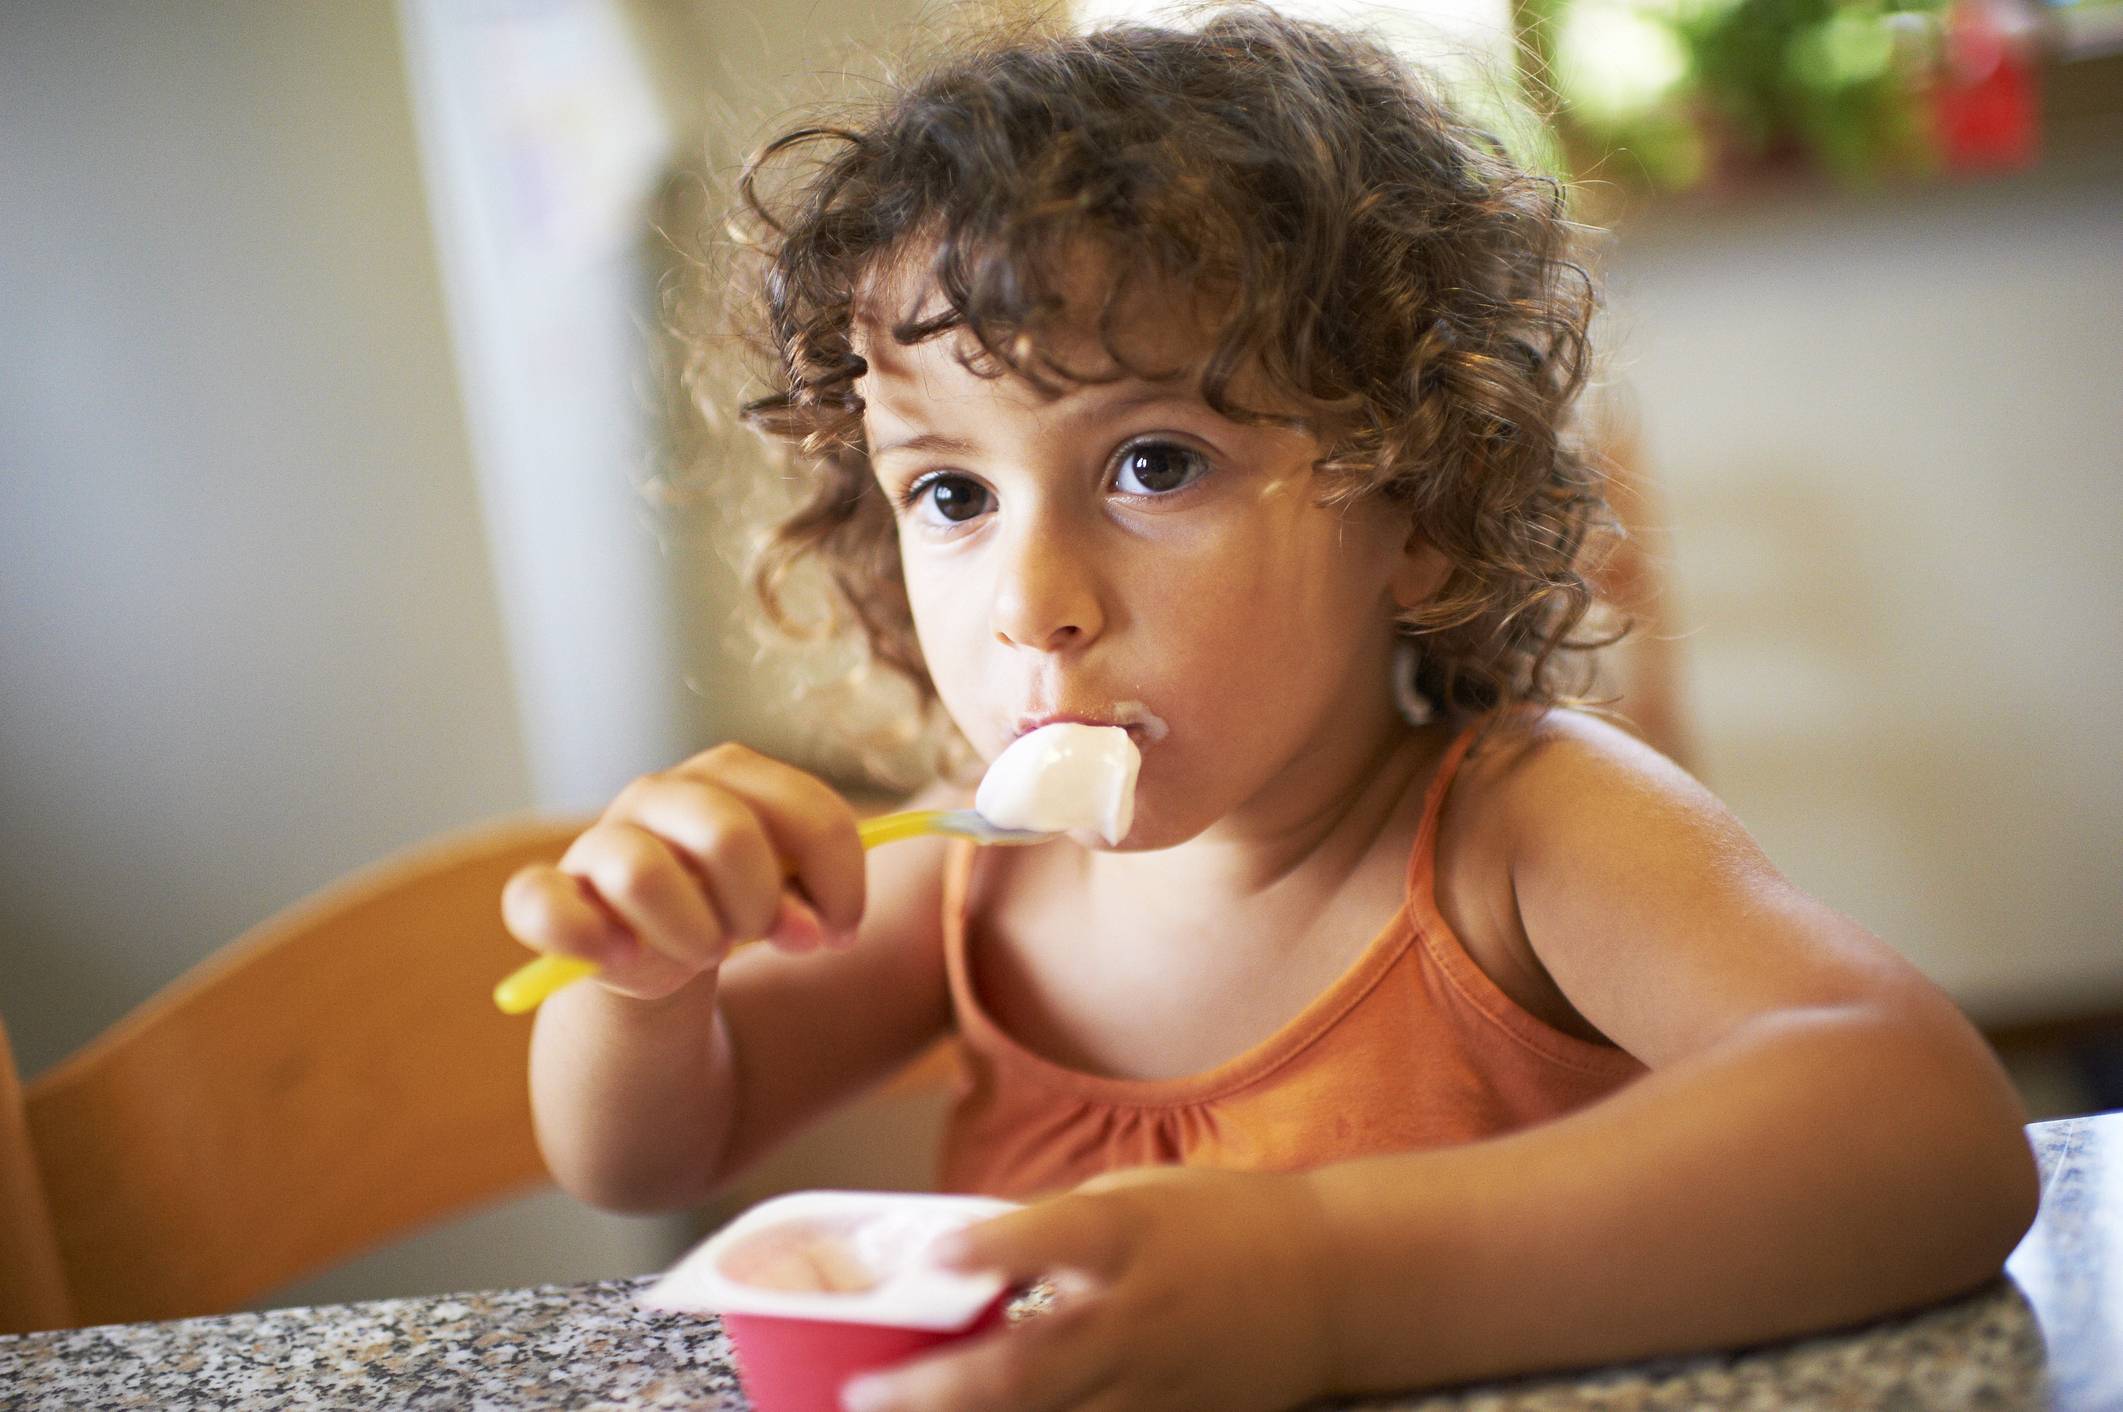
point(2048, 1335)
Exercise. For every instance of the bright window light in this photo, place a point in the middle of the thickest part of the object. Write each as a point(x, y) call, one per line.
point(1468, 45)
point(1447, 34)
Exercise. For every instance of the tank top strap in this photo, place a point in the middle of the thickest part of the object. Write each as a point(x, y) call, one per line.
point(1422, 859)
point(959, 857)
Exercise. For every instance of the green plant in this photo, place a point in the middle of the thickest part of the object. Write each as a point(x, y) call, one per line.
point(1689, 88)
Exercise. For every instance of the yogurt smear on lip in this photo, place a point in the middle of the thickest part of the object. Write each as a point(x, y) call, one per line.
point(1062, 778)
point(1135, 715)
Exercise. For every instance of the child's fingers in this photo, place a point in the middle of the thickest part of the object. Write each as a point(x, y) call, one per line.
point(645, 974)
point(548, 910)
point(1079, 1233)
point(811, 827)
point(796, 927)
point(719, 836)
point(653, 894)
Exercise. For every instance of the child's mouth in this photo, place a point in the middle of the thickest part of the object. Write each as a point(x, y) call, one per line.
point(1143, 726)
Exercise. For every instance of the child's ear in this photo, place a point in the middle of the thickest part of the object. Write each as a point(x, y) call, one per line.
point(1419, 572)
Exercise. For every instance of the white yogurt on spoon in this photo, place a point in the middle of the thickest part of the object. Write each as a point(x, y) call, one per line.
point(1063, 778)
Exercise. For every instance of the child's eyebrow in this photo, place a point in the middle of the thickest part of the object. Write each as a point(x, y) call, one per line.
point(927, 441)
point(956, 446)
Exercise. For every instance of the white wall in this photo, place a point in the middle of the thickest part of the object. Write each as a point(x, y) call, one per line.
point(1890, 430)
point(249, 638)
point(250, 632)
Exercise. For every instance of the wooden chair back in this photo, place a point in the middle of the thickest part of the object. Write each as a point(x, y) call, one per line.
point(334, 1078)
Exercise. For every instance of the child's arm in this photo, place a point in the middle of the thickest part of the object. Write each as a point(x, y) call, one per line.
point(1823, 1139)
point(657, 1081)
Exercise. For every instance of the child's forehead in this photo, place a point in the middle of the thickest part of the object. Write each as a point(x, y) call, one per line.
point(1164, 328)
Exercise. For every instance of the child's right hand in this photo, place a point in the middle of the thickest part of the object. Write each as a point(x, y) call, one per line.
point(686, 863)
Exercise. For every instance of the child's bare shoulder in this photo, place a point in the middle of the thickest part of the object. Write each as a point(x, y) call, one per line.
point(1535, 776)
point(1565, 803)
point(1568, 799)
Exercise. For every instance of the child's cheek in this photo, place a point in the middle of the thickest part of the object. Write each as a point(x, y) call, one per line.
point(930, 599)
point(950, 627)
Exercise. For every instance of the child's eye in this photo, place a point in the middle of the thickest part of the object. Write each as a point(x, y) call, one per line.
point(947, 498)
point(1158, 468)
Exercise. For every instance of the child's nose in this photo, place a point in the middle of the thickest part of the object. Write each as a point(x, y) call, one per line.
point(1046, 596)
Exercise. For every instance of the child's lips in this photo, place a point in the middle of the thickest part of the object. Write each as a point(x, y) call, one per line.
point(1137, 726)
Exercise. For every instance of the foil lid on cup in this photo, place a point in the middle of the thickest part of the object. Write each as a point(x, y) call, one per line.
point(855, 1257)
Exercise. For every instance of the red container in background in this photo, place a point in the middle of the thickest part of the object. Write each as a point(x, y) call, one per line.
point(818, 1286)
point(1986, 107)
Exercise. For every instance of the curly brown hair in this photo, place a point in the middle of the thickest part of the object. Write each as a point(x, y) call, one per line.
point(1407, 292)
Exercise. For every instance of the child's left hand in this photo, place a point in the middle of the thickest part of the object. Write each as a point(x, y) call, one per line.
point(1188, 1289)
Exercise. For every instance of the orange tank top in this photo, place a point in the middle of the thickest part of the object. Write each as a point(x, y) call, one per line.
point(1413, 1047)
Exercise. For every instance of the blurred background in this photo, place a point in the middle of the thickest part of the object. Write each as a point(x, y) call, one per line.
point(337, 431)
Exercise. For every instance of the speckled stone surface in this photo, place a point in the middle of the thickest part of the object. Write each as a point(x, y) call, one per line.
point(2050, 1335)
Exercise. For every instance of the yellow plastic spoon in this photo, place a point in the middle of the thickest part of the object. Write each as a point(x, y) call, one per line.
point(527, 986)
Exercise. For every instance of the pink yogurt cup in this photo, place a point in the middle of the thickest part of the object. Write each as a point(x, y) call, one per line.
point(818, 1286)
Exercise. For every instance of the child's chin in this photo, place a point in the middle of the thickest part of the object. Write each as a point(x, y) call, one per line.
point(1145, 835)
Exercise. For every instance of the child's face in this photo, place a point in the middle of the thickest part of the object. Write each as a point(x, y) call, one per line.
point(1123, 555)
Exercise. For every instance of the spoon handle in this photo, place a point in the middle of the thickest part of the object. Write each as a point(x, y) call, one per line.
point(526, 987)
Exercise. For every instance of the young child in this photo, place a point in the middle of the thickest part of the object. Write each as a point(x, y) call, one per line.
point(1215, 384)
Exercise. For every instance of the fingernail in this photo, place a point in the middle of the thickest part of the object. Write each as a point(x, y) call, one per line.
point(796, 924)
point(866, 1395)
